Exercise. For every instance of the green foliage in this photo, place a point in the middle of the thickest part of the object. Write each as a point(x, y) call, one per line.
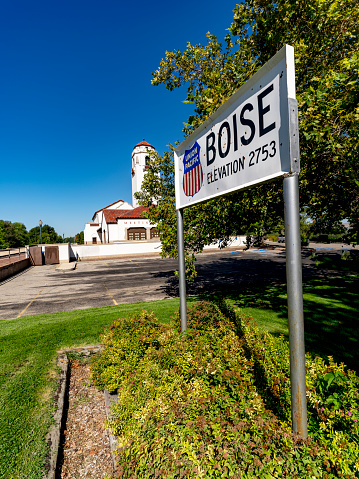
point(79, 238)
point(127, 341)
point(272, 237)
point(332, 391)
point(353, 232)
point(49, 235)
point(69, 239)
point(28, 377)
point(3, 242)
point(325, 35)
point(215, 402)
point(331, 306)
point(12, 235)
point(305, 228)
point(347, 262)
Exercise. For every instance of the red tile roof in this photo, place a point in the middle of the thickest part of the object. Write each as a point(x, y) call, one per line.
point(144, 143)
point(112, 215)
point(105, 207)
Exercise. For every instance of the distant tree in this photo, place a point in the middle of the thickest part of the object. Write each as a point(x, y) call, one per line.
point(69, 239)
point(79, 238)
point(46, 238)
point(3, 243)
point(15, 234)
point(49, 235)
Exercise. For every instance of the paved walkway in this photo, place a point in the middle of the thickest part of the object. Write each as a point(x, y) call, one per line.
point(47, 289)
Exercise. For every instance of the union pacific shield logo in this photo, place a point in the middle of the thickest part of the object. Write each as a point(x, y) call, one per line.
point(192, 173)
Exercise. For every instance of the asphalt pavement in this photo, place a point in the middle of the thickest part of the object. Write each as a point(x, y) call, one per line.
point(46, 289)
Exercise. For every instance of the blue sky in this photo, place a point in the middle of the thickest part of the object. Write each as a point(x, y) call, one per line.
point(76, 97)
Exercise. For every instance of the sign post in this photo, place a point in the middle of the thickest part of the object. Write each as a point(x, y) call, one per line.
point(295, 305)
point(181, 271)
point(251, 139)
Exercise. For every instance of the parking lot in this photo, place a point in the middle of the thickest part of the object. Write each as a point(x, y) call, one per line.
point(43, 289)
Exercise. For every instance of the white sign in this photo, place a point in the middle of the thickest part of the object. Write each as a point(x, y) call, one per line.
point(245, 142)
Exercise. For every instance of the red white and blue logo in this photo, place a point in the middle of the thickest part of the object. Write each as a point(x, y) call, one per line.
point(193, 173)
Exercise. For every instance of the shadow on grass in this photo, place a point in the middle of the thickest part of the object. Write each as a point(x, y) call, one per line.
point(331, 315)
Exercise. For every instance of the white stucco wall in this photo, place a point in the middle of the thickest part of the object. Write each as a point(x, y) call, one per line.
point(105, 250)
point(91, 232)
point(64, 252)
point(115, 232)
point(234, 241)
point(124, 225)
point(133, 247)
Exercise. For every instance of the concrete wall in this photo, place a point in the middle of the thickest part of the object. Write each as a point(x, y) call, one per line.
point(233, 241)
point(133, 247)
point(64, 251)
point(13, 268)
point(106, 250)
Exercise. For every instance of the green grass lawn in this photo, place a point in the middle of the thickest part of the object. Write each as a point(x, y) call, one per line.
point(28, 376)
point(28, 351)
point(331, 315)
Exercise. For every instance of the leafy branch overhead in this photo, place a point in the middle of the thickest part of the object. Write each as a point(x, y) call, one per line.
point(325, 35)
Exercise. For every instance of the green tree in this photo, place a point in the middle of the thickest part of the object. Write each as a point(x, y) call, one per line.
point(49, 235)
point(15, 234)
point(325, 35)
point(3, 243)
point(79, 238)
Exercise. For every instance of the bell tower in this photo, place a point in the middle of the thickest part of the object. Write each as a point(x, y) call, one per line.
point(140, 159)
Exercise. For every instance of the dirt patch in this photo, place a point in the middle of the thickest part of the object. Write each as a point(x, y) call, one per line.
point(85, 446)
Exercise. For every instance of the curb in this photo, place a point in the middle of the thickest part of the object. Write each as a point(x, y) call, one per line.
point(110, 399)
point(54, 434)
point(66, 266)
point(53, 437)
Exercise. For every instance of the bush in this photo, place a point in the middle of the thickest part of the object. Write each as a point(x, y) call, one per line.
point(332, 391)
point(272, 237)
point(127, 341)
point(216, 401)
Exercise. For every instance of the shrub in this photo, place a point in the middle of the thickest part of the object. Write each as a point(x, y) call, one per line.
point(202, 315)
point(332, 390)
point(126, 341)
point(215, 402)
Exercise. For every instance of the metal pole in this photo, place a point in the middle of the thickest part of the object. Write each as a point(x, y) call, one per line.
point(295, 305)
point(181, 271)
point(40, 224)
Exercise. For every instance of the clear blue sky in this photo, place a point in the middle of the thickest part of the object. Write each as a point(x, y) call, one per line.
point(76, 97)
